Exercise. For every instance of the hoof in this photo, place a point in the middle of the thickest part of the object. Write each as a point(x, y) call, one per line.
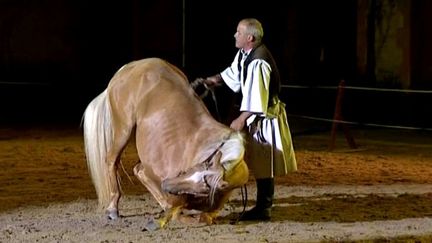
point(151, 225)
point(112, 214)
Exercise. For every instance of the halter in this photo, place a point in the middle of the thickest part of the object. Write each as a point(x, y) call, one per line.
point(207, 161)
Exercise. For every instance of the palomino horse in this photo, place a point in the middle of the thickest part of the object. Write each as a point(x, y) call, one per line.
point(188, 160)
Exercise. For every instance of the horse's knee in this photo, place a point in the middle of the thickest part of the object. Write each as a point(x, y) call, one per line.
point(137, 168)
point(140, 173)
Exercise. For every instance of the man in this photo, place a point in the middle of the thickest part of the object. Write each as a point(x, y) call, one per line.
point(269, 151)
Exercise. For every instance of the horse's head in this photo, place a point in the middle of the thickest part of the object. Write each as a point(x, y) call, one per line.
point(202, 180)
point(207, 184)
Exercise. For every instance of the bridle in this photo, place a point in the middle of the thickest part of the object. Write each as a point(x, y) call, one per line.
point(209, 158)
point(197, 82)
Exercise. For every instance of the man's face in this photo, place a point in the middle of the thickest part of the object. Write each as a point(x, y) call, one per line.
point(241, 36)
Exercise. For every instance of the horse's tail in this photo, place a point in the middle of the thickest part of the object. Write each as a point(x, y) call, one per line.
point(97, 142)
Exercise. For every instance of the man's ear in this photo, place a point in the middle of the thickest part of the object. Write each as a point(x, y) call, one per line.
point(251, 38)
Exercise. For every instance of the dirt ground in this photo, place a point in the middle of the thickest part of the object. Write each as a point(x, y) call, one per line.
point(379, 192)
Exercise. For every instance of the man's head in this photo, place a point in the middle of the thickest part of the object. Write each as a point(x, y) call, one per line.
point(249, 34)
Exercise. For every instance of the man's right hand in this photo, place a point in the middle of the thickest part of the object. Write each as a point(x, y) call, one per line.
point(213, 81)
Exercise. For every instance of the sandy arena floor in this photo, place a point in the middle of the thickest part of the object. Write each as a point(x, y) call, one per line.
point(380, 192)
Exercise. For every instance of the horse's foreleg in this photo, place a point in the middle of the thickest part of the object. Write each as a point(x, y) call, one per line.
point(143, 176)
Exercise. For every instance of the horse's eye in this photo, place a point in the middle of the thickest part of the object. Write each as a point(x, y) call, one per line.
point(181, 173)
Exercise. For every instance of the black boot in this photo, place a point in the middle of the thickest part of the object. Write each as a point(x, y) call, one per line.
point(264, 202)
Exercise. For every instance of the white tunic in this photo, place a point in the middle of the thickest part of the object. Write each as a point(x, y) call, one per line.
point(270, 151)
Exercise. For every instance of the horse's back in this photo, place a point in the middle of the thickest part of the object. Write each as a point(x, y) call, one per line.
point(148, 72)
point(172, 122)
point(155, 96)
point(147, 85)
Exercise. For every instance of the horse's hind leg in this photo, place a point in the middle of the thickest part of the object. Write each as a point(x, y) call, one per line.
point(112, 209)
point(113, 159)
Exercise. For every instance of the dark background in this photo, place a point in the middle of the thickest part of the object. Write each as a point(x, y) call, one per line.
point(57, 55)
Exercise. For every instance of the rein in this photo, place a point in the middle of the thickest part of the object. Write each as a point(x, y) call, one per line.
point(200, 81)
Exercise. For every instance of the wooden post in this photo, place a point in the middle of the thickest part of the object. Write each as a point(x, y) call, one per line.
point(337, 117)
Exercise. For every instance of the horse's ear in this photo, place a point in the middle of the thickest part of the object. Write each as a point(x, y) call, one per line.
point(216, 160)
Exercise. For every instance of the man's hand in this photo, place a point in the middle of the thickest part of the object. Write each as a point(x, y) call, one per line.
point(240, 122)
point(213, 81)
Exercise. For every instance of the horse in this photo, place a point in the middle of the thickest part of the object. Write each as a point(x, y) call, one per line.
point(187, 159)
